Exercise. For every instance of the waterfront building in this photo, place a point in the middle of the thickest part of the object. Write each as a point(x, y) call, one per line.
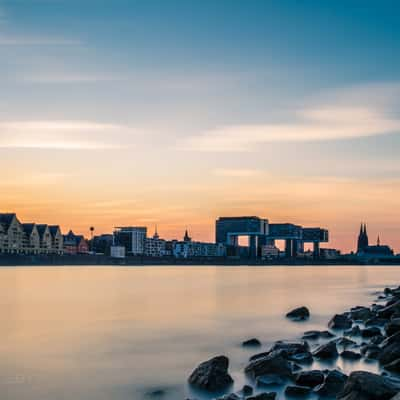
point(155, 246)
point(362, 242)
point(366, 251)
point(45, 238)
point(31, 243)
point(269, 251)
point(330, 254)
point(102, 244)
point(57, 241)
point(133, 238)
point(13, 233)
point(75, 244)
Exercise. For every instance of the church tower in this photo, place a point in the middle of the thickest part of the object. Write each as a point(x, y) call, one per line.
point(363, 241)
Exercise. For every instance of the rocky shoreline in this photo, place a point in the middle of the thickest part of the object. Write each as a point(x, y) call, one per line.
point(369, 333)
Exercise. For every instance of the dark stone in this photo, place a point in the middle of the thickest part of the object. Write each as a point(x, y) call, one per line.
point(395, 338)
point(297, 391)
point(389, 310)
point(389, 353)
point(310, 378)
point(251, 343)
point(361, 313)
point(370, 332)
point(378, 339)
point(392, 327)
point(247, 390)
point(231, 396)
point(345, 342)
point(333, 384)
point(270, 380)
point(350, 355)
point(313, 335)
point(292, 351)
point(299, 314)
point(376, 322)
point(363, 385)
point(370, 351)
point(340, 321)
point(212, 375)
point(394, 366)
point(274, 363)
point(263, 396)
point(326, 351)
point(354, 331)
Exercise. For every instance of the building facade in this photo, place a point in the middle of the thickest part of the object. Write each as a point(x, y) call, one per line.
point(57, 240)
point(133, 238)
point(31, 239)
point(155, 246)
point(13, 234)
point(75, 244)
point(45, 238)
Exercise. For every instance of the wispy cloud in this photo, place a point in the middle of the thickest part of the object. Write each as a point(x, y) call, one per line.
point(69, 78)
point(68, 135)
point(341, 115)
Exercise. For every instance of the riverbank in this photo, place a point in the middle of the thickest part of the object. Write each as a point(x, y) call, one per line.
point(369, 333)
point(70, 260)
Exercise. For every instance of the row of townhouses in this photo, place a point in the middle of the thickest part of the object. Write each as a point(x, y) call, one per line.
point(32, 238)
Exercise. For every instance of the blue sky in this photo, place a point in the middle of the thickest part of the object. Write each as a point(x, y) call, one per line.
point(289, 100)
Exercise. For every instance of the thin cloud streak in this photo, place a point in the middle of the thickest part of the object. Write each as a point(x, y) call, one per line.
point(340, 119)
point(6, 40)
point(67, 135)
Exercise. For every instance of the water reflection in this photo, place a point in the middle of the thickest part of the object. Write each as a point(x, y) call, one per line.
point(130, 333)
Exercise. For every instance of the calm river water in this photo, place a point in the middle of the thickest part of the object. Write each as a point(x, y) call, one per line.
point(119, 333)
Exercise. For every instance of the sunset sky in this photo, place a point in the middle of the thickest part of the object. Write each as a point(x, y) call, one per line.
point(129, 112)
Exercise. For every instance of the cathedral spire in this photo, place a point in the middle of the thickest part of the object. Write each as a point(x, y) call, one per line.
point(378, 241)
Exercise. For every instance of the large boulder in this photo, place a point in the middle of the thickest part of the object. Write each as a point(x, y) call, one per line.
point(370, 332)
point(263, 396)
point(361, 313)
point(297, 391)
point(333, 384)
point(251, 343)
point(350, 355)
point(299, 314)
point(212, 375)
point(392, 327)
point(389, 310)
point(363, 385)
point(310, 378)
point(294, 351)
point(389, 353)
point(313, 335)
point(274, 363)
point(340, 321)
point(394, 366)
point(326, 351)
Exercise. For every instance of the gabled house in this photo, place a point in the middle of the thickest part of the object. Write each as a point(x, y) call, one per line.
point(45, 238)
point(57, 240)
point(75, 244)
point(31, 242)
point(13, 234)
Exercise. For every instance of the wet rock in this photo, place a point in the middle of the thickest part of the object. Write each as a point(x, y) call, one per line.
point(313, 335)
point(247, 390)
point(251, 343)
point(326, 351)
point(299, 314)
point(231, 396)
point(345, 342)
point(274, 363)
point(212, 375)
point(378, 339)
point(376, 322)
point(270, 380)
point(389, 353)
point(397, 397)
point(389, 310)
point(310, 378)
point(363, 385)
point(394, 366)
point(370, 351)
point(350, 355)
point(292, 351)
point(340, 321)
point(297, 391)
point(264, 396)
point(361, 313)
point(370, 332)
point(392, 327)
point(354, 331)
point(333, 384)
point(395, 338)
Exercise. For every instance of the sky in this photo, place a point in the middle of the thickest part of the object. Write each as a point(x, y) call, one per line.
point(175, 112)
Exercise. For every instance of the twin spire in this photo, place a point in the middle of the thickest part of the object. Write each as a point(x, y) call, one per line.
point(363, 241)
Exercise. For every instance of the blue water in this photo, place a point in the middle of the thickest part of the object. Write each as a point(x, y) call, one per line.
point(122, 332)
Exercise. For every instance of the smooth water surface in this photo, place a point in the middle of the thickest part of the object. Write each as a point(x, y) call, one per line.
point(118, 333)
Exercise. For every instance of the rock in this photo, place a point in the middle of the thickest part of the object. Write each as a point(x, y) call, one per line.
point(378, 339)
point(340, 321)
point(313, 335)
point(389, 353)
point(370, 351)
point(292, 351)
point(297, 391)
point(270, 380)
point(394, 366)
point(361, 313)
point(299, 314)
point(251, 343)
point(212, 375)
point(375, 321)
point(273, 363)
point(363, 385)
point(370, 332)
point(350, 355)
point(354, 331)
point(326, 351)
point(263, 396)
point(231, 396)
point(397, 397)
point(389, 310)
point(391, 339)
point(333, 384)
point(310, 378)
point(392, 327)
point(247, 390)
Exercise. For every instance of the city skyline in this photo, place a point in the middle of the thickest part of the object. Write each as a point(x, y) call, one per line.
point(173, 113)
